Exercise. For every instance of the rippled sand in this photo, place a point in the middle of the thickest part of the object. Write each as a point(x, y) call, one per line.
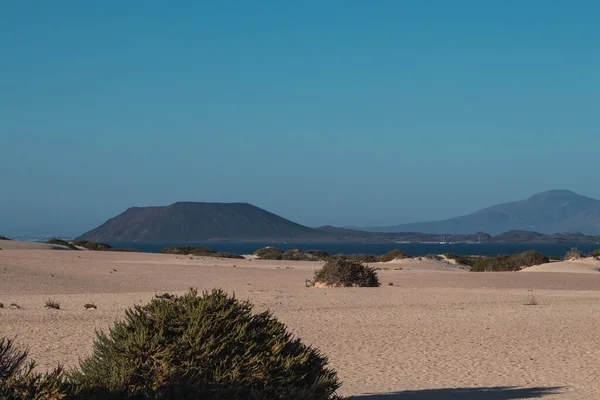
point(438, 333)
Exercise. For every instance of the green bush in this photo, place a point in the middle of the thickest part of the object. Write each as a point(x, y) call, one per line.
point(198, 252)
point(55, 305)
point(304, 255)
point(202, 347)
point(357, 258)
point(573, 253)
point(393, 255)
point(341, 272)
point(91, 245)
point(269, 253)
point(514, 262)
point(18, 381)
point(60, 242)
point(595, 253)
point(463, 260)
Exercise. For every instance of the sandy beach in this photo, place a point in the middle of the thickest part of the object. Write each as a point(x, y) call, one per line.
point(438, 333)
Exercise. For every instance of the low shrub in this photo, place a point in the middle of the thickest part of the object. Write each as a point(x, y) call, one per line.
point(304, 255)
point(393, 255)
point(61, 242)
point(514, 262)
point(320, 254)
point(595, 253)
point(3, 238)
point(342, 272)
point(198, 252)
point(433, 257)
point(52, 304)
point(463, 260)
point(357, 258)
point(18, 381)
point(269, 253)
point(210, 347)
point(91, 245)
point(573, 254)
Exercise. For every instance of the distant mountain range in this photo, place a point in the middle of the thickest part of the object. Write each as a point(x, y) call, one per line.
point(533, 220)
point(547, 212)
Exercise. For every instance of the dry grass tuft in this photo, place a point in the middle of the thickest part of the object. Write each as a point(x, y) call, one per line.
point(531, 300)
point(55, 305)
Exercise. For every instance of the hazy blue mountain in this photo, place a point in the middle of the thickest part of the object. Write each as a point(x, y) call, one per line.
point(547, 212)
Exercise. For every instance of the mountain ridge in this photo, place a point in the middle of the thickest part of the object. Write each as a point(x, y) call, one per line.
point(518, 221)
point(549, 212)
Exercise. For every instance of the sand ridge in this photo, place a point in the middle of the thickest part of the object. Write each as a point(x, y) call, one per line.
point(430, 333)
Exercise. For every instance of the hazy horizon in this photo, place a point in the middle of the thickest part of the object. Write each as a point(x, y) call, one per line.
point(344, 113)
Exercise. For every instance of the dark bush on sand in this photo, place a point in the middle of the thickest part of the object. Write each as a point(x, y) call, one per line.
point(357, 258)
point(61, 242)
point(514, 262)
point(18, 381)
point(198, 252)
point(574, 253)
point(273, 253)
point(208, 346)
point(91, 245)
point(269, 253)
point(393, 255)
point(341, 272)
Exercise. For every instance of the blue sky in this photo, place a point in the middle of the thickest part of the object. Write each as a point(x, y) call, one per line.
point(339, 112)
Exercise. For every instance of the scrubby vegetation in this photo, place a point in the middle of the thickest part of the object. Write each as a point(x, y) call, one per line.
point(573, 254)
point(393, 255)
point(269, 253)
point(3, 238)
point(273, 253)
point(341, 272)
point(91, 245)
point(356, 258)
point(463, 260)
point(18, 381)
point(304, 255)
point(61, 242)
point(514, 262)
point(52, 304)
point(208, 346)
point(198, 252)
point(595, 253)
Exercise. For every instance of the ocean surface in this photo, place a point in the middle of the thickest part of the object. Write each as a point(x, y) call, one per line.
point(414, 249)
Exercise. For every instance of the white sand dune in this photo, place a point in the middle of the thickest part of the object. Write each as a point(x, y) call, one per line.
point(589, 265)
point(430, 333)
point(17, 245)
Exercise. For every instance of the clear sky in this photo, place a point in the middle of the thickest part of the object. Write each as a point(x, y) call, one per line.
point(326, 112)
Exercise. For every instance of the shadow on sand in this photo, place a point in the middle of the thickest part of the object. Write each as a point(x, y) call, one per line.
point(483, 393)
